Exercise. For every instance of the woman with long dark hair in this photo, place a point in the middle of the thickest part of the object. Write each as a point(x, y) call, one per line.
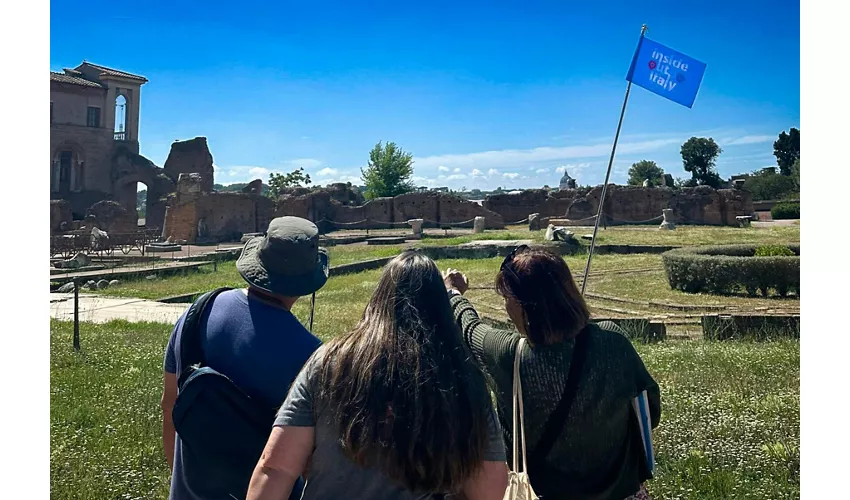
point(578, 380)
point(394, 409)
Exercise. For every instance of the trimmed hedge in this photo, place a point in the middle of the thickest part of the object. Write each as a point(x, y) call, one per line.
point(785, 211)
point(774, 251)
point(727, 269)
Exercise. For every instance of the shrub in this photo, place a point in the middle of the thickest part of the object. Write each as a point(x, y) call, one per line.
point(773, 251)
point(730, 268)
point(785, 211)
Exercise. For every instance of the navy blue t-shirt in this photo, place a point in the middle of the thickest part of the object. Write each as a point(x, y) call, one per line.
point(260, 347)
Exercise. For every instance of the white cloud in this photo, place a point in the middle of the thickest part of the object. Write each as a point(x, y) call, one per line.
point(258, 172)
point(572, 168)
point(541, 171)
point(232, 173)
point(515, 159)
point(749, 139)
point(510, 175)
point(519, 158)
point(456, 177)
point(477, 173)
point(327, 172)
point(423, 181)
point(306, 163)
point(457, 170)
point(333, 180)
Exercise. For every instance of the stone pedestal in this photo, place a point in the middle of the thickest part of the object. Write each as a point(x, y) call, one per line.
point(416, 225)
point(478, 225)
point(534, 222)
point(743, 220)
point(668, 219)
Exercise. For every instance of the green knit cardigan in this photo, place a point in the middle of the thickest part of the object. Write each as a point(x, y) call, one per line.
point(594, 451)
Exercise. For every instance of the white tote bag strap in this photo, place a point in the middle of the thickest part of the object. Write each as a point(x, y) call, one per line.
point(519, 436)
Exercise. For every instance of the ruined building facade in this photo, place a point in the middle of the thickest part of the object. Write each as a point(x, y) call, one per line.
point(94, 142)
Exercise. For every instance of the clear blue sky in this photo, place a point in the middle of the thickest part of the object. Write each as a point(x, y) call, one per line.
point(482, 94)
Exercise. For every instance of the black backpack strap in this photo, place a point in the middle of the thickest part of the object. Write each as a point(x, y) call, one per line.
point(191, 349)
point(555, 422)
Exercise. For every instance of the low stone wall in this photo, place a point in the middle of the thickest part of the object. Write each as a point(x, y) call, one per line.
point(436, 209)
point(628, 204)
point(216, 217)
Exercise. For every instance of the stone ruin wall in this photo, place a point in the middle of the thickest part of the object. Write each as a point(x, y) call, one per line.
point(225, 216)
point(700, 205)
point(433, 207)
point(111, 217)
point(191, 157)
point(60, 212)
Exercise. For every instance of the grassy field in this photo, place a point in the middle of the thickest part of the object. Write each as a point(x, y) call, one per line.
point(729, 426)
point(636, 235)
point(634, 280)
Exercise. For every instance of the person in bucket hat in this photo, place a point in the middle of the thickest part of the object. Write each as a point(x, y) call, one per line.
point(249, 335)
point(286, 261)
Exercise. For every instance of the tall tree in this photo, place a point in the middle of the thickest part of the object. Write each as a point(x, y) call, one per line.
point(795, 173)
point(645, 170)
point(699, 155)
point(279, 182)
point(388, 172)
point(786, 149)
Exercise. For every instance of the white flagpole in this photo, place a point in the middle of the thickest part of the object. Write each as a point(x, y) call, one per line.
point(599, 212)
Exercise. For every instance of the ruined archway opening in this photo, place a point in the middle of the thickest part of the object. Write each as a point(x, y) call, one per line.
point(121, 118)
point(133, 197)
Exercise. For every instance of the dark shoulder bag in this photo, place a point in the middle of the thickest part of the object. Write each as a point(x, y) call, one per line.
point(222, 429)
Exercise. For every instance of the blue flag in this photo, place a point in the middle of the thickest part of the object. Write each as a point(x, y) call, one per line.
point(666, 72)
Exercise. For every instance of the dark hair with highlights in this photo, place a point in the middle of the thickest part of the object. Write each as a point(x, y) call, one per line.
point(403, 387)
point(543, 285)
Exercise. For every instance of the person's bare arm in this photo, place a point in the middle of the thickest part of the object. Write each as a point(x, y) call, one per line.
point(169, 395)
point(285, 457)
point(489, 484)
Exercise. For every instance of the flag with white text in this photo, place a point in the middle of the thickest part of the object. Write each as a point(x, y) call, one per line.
point(665, 72)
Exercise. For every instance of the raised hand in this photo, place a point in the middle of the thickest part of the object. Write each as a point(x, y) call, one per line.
point(455, 280)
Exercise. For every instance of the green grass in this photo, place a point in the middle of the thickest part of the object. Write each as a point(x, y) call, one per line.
point(638, 286)
point(695, 235)
point(729, 426)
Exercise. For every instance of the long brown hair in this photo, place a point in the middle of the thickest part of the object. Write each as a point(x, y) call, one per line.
point(402, 386)
point(543, 285)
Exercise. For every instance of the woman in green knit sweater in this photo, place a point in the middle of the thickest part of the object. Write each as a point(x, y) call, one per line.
point(595, 451)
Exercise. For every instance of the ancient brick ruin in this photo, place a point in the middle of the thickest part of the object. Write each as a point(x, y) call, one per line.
point(623, 204)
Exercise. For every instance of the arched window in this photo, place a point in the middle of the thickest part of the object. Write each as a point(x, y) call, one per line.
point(121, 118)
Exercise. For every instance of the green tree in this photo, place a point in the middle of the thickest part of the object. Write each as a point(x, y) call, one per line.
point(699, 155)
point(786, 149)
point(389, 171)
point(279, 182)
point(645, 170)
point(795, 173)
point(770, 186)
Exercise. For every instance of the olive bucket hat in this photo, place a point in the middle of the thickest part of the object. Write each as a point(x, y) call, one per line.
point(287, 260)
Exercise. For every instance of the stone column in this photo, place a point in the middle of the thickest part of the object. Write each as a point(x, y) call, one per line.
point(478, 225)
point(416, 224)
point(534, 222)
point(668, 219)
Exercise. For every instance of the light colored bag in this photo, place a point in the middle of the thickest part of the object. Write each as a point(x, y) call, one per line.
point(519, 485)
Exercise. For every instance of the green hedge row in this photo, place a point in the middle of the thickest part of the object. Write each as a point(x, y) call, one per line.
point(785, 211)
point(732, 268)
